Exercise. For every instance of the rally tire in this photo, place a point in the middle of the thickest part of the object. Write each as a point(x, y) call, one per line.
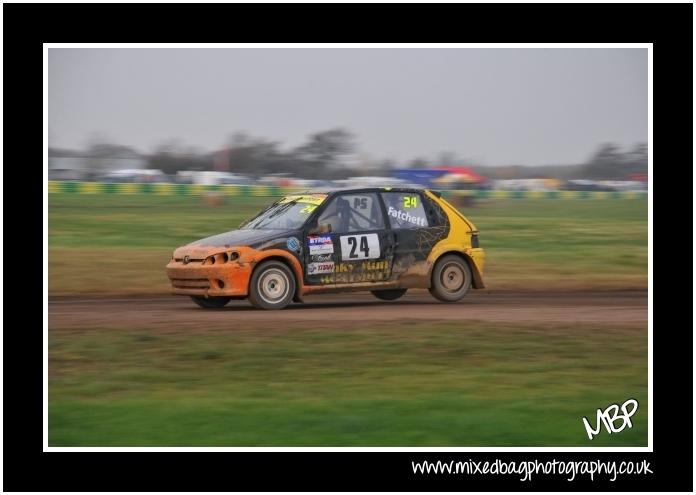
point(211, 302)
point(451, 278)
point(389, 294)
point(272, 285)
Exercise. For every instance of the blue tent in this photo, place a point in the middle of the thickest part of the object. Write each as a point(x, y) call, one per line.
point(423, 176)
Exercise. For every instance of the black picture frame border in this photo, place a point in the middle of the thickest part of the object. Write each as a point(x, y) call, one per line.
point(26, 26)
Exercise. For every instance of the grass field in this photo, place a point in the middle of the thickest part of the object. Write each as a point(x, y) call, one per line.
point(120, 244)
point(400, 384)
point(460, 383)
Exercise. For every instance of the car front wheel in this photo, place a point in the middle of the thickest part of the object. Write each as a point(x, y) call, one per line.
point(451, 278)
point(272, 285)
point(211, 302)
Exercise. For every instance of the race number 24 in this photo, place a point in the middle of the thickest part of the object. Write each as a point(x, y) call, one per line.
point(359, 247)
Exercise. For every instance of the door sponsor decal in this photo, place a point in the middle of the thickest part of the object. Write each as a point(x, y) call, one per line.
point(365, 266)
point(320, 245)
point(294, 244)
point(322, 258)
point(319, 268)
point(359, 247)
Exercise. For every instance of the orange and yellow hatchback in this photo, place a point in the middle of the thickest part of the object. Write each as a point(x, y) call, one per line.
point(383, 240)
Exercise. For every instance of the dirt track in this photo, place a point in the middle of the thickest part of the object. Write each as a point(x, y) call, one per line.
point(176, 312)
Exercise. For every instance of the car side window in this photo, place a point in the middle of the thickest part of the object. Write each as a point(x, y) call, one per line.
point(356, 212)
point(405, 210)
point(436, 215)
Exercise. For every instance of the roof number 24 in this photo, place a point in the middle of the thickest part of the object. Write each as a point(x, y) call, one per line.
point(410, 201)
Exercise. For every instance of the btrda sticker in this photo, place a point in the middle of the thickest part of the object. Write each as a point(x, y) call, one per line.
point(320, 245)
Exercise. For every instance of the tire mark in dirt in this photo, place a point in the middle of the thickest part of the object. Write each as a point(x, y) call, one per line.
point(177, 312)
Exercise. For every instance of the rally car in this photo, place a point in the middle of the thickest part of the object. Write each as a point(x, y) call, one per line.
point(383, 240)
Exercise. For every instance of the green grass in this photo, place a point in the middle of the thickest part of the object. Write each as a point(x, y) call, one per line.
point(141, 221)
point(120, 243)
point(450, 384)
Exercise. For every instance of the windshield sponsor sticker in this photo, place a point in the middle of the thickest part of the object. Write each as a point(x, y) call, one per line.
point(310, 199)
point(308, 209)
point(320, 245)
point(319, 268)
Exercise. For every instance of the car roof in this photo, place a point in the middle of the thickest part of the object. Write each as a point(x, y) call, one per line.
point(335, 190)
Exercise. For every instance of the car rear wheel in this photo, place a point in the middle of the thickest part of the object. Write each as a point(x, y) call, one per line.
point(389, 294)
point(272, 285)
point(211, 302)
point(451, 279)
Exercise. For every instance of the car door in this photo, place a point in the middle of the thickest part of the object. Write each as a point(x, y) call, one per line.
point(353, 245)
point(417, 228)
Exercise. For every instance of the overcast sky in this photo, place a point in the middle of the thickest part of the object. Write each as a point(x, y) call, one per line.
point(493, 106)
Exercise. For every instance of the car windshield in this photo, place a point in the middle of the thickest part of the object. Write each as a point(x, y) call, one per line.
point(291, 212)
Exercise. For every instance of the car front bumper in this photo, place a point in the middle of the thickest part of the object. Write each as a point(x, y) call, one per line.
point(196, 279)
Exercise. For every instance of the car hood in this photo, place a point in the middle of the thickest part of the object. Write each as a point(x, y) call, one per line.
point(235, 238)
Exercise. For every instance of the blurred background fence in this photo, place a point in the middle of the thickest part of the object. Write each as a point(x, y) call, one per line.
point(276, 191)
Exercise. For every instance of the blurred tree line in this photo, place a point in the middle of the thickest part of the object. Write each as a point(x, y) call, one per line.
point(609, 162)
point(332, 154)
point(322, 156)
